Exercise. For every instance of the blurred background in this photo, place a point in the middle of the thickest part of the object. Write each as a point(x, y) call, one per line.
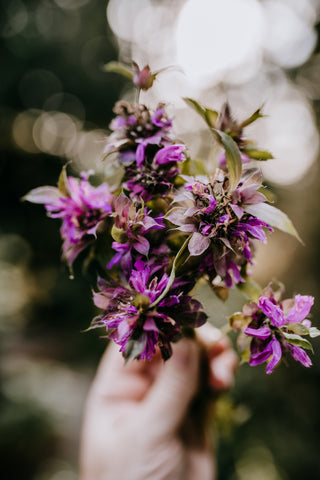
point(56, 104)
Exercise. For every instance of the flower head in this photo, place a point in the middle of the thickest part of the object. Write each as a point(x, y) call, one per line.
point(131, 224)
point(131, 320)
point(81, 208)
point(276, 329)
point(221, 229)
point(155, 176)
point(146, 149)
point(137, 130)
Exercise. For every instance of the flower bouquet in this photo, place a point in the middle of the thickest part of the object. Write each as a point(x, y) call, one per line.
point(167, 225)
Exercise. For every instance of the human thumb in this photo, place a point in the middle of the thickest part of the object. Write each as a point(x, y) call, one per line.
point(167, 402)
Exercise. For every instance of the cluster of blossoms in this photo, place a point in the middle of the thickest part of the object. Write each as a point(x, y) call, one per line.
point(135, 322)
point(81, 207)
point(222, 230)
point(146, 148)
point(161, 232)
point(276, 328)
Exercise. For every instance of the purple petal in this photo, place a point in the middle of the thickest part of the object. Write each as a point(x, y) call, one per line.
point(301, 309)
point(263, 332)
point(172, 153)
point(272, 311)
point(261, 355)
point(115, 260)
point(140, 154)
point(237, 210)
point(142, 245)
point(150, 325)
point(212, 205)
point(300, 355)
point(276, 355)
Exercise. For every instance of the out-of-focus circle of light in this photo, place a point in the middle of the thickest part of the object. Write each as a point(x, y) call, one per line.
point(17, 19)
point(213, 37)
point(289, 37)
point(88, 150)
point(66, 103)
point(70, 4)
point(22, 130)
point(290, 133)
point(57, 23)
point(55, 133)
point(122, 14)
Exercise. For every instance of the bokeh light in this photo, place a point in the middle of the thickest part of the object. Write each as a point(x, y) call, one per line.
point(211, 41)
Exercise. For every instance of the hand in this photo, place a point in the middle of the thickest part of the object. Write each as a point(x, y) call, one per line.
point(137, 423)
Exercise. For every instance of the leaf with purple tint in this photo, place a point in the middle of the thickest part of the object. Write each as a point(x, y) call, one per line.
point(198, 244)
point(274, 217)
point(43, 195)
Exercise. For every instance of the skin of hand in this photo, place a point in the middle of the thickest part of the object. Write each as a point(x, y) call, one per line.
point(137, 422)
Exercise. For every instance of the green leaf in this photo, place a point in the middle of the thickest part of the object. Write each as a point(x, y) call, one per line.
point(116, 67)
point(63, 184)
point(274, 217)
point(211, 117)
point(233, 158)
point(298, 328)
point(198, 167)
point(196, 106)
point(314, 332)
point(257, 114)
point(250, 289)
point(118, 234)
point(257, 154)
point(208, 115)
point(294, 339)
point(42, 195)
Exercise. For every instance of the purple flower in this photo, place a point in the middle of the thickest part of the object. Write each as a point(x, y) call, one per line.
point(222, 232)
point(129, 232)
point(277, 329)
point(82, 208)
point(147, 178)
point(134, 324)
point(136, 131)
point(146, 149)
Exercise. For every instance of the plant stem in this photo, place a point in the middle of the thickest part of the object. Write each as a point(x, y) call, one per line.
point(172, 274)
